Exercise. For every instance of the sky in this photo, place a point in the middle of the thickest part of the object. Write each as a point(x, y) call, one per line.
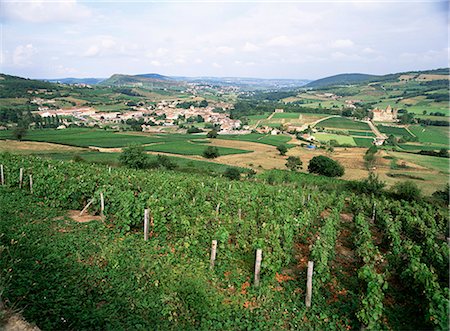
point(270, 39)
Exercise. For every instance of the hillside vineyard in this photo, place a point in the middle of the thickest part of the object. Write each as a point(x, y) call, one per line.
point(378, 263)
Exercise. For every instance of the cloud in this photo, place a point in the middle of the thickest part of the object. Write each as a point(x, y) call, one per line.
point(224, 50)
point(216, 65)
point(250, 47)
point(342, 43)
point(101, 46)
point(284, 41)
point(23, 54)
point(38, 11)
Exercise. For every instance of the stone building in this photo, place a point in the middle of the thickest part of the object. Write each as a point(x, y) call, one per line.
point(384, 115)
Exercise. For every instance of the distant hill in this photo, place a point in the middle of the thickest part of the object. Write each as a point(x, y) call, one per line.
point(154, 76)
point(152, 81)
point(90, 81)
point(247, 82)
point(342, 79)
point(17, 87)
point(357, 78)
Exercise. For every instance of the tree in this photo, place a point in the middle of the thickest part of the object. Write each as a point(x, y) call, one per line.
point(134, 157)
point(282, 149)
point(232, 173)
point(370, 157)
point(294, 163)
point(407, 190)
point(212, 134)
point(323, 165)
point(20, 132)
point(211, 152)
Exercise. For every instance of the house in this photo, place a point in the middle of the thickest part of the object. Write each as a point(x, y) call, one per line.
point(279, 110)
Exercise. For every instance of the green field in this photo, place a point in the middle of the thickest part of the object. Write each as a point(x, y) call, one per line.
point(361, 133)
point(84, 137)
point(267, 139)
point(431, 134)
point(363, 142)
point(343, 123)
point(188, 148)
point(341, 139)
point(396, 131)
point(168, 143)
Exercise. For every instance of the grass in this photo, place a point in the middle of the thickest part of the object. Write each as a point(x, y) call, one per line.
point(431, 134)
point(341, 139)
point(440, 164)
point(343, 123)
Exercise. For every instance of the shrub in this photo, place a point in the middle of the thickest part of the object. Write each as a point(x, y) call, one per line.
point(19, 132)
point(407, 190)
point(166, 162)
point(323, 165)
point(134, 157)
point(282, 149)
point(211, 152)
point(232, 173)
point(294, 163)
point(194, 129)
point(370, 185)
point(212, 134)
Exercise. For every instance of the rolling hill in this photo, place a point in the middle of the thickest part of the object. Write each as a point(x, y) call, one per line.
point(153, 81)
point(358, 78)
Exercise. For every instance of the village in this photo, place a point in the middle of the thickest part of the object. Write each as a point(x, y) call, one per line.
point(163, 115)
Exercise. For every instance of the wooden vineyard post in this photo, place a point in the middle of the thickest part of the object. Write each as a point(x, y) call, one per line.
point(240, 214)
point(20, 177)
point(258, 266)
point(309, 283)
point(102, 203)
point(109, 170)
point(2, 175)
point(87, 206)
point(31, 184)
point(373, 211)
point(217, 209)
point(213, 254)
point(146, 220)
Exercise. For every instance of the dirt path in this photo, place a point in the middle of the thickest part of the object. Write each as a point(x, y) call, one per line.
point(375, 130)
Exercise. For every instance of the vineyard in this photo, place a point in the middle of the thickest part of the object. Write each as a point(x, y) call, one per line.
point(379, 263)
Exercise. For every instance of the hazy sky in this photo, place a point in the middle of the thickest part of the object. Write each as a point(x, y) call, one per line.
point(271, 39)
